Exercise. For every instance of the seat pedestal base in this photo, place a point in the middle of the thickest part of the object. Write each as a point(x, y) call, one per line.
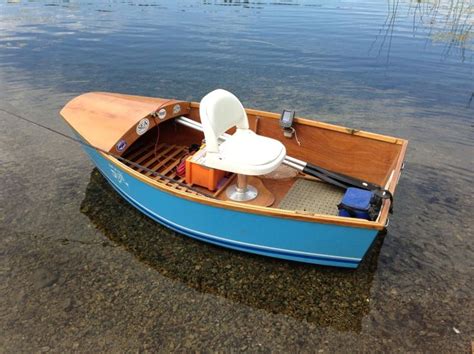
point(241, 191)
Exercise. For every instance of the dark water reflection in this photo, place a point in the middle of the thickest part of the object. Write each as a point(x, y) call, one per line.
point(397, 67)
point(327, 296)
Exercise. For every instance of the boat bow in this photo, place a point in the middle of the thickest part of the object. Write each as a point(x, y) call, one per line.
point(112, 122)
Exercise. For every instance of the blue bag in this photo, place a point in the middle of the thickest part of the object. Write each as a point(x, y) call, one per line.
point(357, 203)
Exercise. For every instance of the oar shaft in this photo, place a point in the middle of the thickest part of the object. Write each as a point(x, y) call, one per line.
point(337, 176)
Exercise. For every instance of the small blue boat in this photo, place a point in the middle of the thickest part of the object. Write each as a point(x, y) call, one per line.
point(239, 178)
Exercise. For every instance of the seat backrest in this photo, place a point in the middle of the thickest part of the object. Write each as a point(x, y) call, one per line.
point(220, 110)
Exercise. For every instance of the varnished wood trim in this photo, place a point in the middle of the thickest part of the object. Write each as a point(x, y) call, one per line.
point(393, 183)
point(398, 167)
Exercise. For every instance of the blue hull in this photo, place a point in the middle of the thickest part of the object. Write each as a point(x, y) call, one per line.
point(296, 240)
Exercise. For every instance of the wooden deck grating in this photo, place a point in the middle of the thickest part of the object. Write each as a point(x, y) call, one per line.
point(162, 159)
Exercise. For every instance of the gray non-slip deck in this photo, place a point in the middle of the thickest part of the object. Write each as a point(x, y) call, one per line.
point(312, 196)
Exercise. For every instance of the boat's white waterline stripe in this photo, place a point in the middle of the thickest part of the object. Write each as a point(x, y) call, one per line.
point(231, 242)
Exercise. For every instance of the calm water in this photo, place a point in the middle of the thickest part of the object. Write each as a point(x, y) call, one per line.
point(81, 270)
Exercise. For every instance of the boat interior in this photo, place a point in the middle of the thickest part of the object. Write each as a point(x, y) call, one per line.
point(167, 145)
point(161, 153)
point(218, 152)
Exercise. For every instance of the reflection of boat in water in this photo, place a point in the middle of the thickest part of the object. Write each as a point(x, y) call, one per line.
point(293, 218)
point(327, 296)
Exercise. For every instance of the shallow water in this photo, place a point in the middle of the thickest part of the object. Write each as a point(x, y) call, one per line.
point(82, 270)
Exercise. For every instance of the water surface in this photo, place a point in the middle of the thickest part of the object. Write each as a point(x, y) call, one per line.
point(82, 270)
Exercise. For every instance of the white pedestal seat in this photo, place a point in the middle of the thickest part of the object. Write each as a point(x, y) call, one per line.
point(244, 152)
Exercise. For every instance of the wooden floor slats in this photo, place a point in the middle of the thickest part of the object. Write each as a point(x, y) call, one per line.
point(151, 156)
point(164, 162)
point(132, 156)
point(162, 159)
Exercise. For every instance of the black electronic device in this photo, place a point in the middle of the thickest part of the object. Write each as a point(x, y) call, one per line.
point(286, 119)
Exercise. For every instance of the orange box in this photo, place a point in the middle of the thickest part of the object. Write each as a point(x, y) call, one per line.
point(201, 175)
